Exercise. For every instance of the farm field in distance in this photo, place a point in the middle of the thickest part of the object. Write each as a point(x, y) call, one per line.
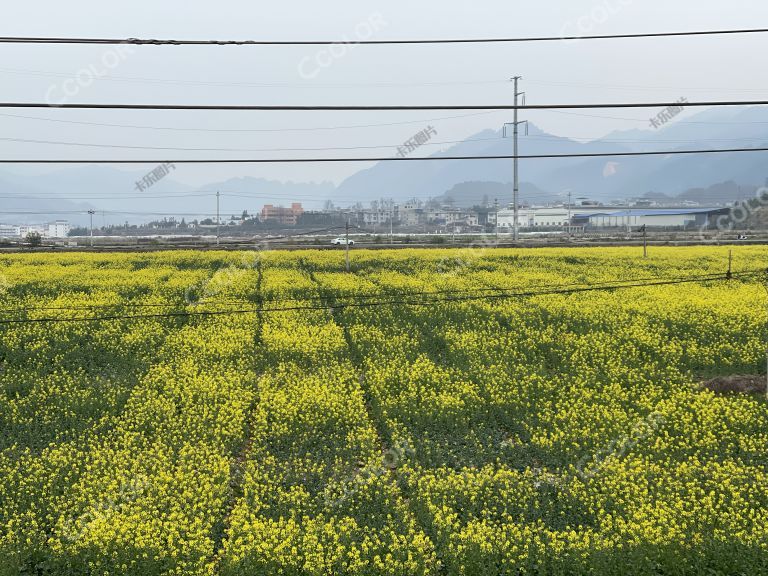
point(436, 412)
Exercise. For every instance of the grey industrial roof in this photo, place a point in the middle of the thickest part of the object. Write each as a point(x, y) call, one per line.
point(660, 212)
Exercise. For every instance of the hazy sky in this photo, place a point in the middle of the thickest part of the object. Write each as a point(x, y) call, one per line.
point(580, 71)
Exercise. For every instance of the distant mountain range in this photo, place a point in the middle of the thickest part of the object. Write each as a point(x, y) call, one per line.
point(100, 188)
point(468, 194)
point(703, 178)
point(595, 178)
point(723, 192)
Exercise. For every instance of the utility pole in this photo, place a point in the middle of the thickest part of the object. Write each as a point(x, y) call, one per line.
point(515, 136)
point(218, 220)
point(568, 227)
point(391, 216)
point(347, 245)
point(516, 188)
point(644, 229)
point(496, 209)
point(91, 213)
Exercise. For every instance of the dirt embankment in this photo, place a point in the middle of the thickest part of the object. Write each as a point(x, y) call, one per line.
point(737, 384)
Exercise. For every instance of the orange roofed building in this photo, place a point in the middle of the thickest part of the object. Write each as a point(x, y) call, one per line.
point(286, 216)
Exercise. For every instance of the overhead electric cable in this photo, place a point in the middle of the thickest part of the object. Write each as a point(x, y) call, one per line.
point(384, 158)
point(489, 40)
point(401, 302)
point(352, 108)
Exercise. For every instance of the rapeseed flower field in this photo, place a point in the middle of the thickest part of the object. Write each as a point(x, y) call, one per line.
point(433, 412)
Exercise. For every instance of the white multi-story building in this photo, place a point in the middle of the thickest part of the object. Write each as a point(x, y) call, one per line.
point(659, 218)
point(607, 217)
point(412, 213)
point(541, 217)
point(381, 215)
point(57, 229)
point(450, 216)
point(372, 217)
point(9, 231)
point(25, 229)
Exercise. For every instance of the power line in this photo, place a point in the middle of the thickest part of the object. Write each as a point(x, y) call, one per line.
point(402, 302)
point(286, 196)
point(169, 196)
point(244, 130)
point(144, 80)
point(598, 140)
point(644, 87)
point(392, 159)
point(342, 127)
point(498, 293)
point(340, 108)
point(496, 40)
point(128, 147)
point(336, 297)
point(112, 213)
point(645, 120)
point(230, 84)
point(579, 140)
point(172, 196)
point(202, 193)
point(379, 146)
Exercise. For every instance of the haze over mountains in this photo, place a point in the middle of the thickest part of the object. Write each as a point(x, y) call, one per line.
point(692, 177)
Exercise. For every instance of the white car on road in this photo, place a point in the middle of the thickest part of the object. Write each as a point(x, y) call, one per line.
point(342, 242)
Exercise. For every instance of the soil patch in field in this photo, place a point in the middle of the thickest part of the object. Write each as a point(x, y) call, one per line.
point(735, 384)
